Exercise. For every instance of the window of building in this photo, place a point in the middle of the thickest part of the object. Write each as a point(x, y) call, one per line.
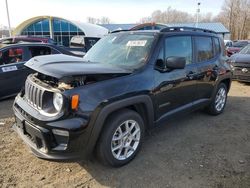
point(12, 55)
point(40, 28)
point(63, 30)
point(45, 25)
point(72, 28)
point(180, 46)
point(204, 47)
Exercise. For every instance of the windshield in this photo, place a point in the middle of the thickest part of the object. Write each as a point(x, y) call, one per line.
point(121, 49)
point(245, 50)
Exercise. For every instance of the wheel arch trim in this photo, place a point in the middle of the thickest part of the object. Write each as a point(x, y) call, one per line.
point(98, 125)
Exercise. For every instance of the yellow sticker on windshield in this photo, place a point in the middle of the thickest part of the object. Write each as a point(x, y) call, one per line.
point(136, 43)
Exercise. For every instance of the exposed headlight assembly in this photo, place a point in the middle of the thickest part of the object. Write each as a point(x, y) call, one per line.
point(58, 101)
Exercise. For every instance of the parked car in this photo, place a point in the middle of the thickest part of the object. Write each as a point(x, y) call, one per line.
point(16, 39)
point(13, 73)
point(228, 43)
point(240, 64)
point(79, 45)
point(128, 82)
point(236, 47)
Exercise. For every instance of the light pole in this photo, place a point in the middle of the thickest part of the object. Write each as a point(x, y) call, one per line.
point(7, 9)
point(197, 14)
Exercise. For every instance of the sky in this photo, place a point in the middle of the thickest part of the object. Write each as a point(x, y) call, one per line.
point(119, 11)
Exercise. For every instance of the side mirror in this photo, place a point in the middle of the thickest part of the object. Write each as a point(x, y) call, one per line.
point(170, 64)
point(176, 62)
point(160, 65)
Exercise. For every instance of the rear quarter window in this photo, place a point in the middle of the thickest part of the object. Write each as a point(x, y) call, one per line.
point(217, 48)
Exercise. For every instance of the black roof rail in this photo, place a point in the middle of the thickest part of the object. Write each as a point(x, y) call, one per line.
point(117, 31)
point(177, 29)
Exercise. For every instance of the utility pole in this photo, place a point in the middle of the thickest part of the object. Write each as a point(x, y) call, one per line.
point(7, 9)
point(197, 14)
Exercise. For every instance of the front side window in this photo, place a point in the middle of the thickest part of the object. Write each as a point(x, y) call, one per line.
point(180, 46)
point(204, 48)
point(121, 49)
point(12, 55)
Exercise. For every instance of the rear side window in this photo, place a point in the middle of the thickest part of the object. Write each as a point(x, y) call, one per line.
point(180, 46)
point(204, 48)
point(217, 49)
point(39, 50)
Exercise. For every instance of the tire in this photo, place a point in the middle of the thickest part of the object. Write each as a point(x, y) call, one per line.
point(120, 140)
point(220, 97)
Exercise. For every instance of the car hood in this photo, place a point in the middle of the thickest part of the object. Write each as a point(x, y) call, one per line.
point(60, 66)
point(241, 59)
point(233, 49)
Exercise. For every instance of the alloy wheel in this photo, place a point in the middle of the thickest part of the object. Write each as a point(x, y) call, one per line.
point(220, 99)
point(125, 140)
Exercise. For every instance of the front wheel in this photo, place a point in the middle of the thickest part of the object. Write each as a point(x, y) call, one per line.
point(121, 138)
point(219, 100)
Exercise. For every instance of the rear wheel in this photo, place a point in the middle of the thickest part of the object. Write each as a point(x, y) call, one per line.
point(121, 139)
point(218, 102)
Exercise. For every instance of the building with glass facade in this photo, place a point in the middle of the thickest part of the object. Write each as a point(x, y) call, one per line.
point(59, 29)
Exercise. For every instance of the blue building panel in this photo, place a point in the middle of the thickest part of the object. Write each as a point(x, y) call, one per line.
point(217, 27)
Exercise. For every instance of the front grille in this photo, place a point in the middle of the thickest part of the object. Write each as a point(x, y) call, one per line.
point(34, 94)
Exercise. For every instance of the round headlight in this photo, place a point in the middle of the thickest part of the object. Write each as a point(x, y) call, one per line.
point(58, 101)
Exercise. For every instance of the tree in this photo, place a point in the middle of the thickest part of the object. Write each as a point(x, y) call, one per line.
point(105, 20)
point(102, 20)
point(170, 16)
point(235, 15)
point(174, 16)
point(91, 20)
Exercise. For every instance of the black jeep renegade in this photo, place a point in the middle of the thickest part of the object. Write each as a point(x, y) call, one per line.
point(127, 83)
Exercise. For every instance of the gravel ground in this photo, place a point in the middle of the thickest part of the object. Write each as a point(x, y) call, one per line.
point(197, 150)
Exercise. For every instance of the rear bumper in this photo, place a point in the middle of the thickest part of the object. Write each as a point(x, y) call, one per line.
point(53, 140)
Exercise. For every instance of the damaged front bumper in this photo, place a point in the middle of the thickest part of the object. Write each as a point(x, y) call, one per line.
point(54, 140)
